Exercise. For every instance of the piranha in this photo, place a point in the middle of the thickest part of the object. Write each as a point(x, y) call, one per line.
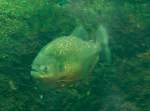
point(69, 58)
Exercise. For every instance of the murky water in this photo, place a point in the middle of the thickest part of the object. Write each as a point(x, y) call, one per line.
point(69, 55)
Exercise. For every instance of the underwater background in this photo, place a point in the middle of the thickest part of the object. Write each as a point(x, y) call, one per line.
point(28, 25)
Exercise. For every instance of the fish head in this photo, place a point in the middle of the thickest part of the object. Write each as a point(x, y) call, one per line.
point(44, 67)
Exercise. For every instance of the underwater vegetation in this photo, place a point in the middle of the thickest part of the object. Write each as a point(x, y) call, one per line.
point(27, 26)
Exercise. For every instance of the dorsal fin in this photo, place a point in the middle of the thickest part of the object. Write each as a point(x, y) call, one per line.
point(80, 32)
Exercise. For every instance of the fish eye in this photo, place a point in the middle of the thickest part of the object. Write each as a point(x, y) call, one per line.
point(44, 68)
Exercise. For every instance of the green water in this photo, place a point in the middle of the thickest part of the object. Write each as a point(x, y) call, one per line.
point(123, 84)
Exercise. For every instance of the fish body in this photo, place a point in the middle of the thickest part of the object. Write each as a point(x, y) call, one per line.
point(66, 58)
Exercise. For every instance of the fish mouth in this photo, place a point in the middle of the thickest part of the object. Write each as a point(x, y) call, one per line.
point(35, 70)
point(37, 74)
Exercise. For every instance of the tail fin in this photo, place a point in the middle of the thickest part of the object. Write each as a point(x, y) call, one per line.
point(102, 40)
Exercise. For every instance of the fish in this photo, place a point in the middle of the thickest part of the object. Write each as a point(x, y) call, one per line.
point(69, 58)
